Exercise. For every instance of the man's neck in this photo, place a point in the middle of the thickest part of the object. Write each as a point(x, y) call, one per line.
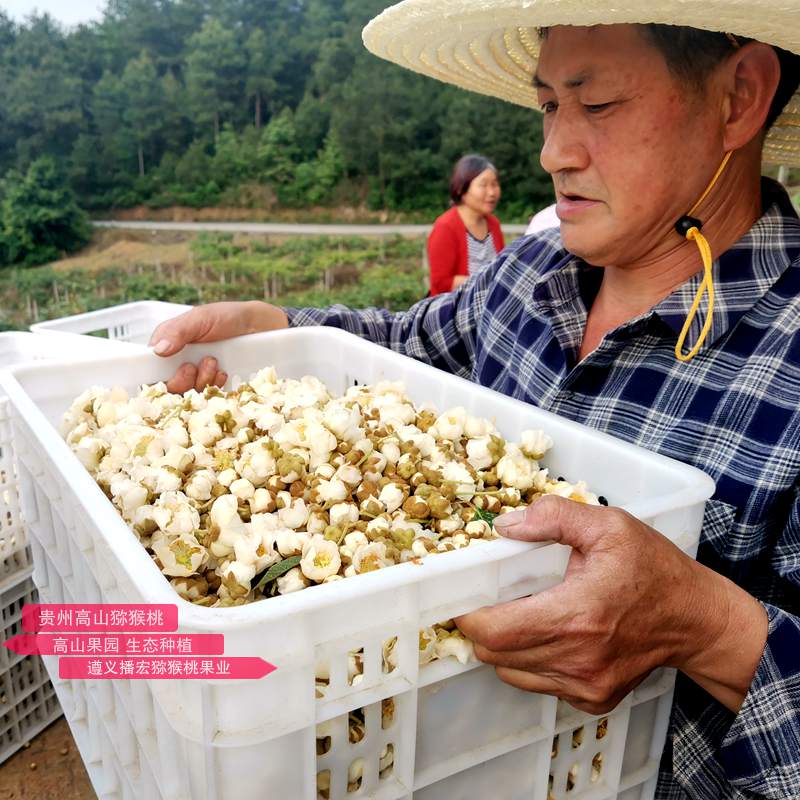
point(629, 291)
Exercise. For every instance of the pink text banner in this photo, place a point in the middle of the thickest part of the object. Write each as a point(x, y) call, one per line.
point(99, 617)
point(82, 644)
point(232, 668)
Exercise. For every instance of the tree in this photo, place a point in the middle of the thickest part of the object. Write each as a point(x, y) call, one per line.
point(41, 219)
point(264, 60)
point(108, 108)
point(42, 95)
point(315, 180)
point(214, 72)
point(382, 116)
point(141, 91)
point(8, 136)
point(278, 149)
point(175, 128)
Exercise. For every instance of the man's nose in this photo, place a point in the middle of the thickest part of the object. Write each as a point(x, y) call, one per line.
point(563, 148)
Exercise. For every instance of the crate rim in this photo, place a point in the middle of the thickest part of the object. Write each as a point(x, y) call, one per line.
point(63, 324)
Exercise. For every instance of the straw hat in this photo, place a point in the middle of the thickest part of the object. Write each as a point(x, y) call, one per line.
point(491, 46)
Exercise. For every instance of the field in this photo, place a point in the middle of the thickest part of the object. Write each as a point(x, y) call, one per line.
point(121, 266)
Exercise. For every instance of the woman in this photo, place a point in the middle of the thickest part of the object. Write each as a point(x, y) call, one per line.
point(466, 237)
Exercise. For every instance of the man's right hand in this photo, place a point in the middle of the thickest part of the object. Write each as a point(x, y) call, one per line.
point(211, 323)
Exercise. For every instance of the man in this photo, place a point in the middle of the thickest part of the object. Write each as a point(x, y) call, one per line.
point(639, 122)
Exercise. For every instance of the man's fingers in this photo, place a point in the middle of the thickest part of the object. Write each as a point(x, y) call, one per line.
point(552, 518)
point(221, 378)
point(528, 622)
point(174, 334)
point(530, 682)
point(534, 659)
point(183, 380)
point(191, 376)
point(206, 373)
point(544, 684)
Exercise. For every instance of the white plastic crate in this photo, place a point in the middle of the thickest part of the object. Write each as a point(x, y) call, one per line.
point(15, 557)
point(27, 700)
point(130, 322)
point(457, 731)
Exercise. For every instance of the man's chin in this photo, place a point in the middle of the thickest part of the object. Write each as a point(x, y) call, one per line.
point(584, 243)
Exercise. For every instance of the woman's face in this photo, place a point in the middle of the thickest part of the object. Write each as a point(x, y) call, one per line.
point(483, 193)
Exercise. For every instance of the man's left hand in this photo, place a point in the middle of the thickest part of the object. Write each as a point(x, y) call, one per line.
point(630, 601)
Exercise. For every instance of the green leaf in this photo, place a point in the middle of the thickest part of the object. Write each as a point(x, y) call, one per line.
point(485, 516)
point(276, 570)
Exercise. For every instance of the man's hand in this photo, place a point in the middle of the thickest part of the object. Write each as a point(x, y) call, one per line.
point(211, 323)
point(630, 601)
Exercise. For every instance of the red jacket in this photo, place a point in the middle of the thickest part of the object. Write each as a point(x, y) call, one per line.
point(447, 248)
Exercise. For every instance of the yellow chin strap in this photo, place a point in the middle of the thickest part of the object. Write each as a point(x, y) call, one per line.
point(689, 227)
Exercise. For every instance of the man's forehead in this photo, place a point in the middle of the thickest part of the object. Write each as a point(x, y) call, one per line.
point(574, 56)
point(579, 79)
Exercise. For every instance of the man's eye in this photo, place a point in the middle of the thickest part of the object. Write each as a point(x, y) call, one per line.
point(596, 108)
point(549, 107)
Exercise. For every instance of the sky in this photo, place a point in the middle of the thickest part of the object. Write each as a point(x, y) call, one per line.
point(68, 12)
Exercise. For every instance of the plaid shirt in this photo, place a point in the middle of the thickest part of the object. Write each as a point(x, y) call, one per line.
point(733, 411)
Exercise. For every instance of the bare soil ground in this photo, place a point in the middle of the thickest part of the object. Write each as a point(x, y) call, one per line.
point(112, 248)
point(50, 768)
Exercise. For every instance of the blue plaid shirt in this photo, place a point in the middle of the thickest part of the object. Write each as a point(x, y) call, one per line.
point(733, 411)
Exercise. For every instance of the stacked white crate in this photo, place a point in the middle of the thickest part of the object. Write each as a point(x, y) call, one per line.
point(457, 730)
point(27, 699)
point(129, 322)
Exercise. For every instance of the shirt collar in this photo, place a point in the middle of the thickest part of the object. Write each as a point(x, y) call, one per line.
point(743, 274)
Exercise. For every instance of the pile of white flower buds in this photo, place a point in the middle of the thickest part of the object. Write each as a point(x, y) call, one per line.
point(278, 485)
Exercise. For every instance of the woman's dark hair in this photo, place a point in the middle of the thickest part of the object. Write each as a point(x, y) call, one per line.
point(467, 168)
point(692, 54)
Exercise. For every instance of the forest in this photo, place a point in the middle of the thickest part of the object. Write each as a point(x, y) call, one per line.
point(245, 103)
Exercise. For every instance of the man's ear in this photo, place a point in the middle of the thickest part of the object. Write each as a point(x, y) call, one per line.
point(751, 78)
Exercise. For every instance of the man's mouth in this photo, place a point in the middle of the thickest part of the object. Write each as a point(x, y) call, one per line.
point(570, 204)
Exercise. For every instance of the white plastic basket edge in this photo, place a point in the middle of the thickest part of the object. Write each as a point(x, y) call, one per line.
point(90, 321)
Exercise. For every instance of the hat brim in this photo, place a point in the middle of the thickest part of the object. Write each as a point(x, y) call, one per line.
point(492, 47)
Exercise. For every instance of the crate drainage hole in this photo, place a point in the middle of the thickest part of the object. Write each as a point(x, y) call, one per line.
point(355, 775)
point(356, 733)
point(572, 777)
point(597, 767)
point(389, 656)
point(356, 726)
point(355, 667)
point(387, 762)
point(323, 745)
point(387, 713)
point(602, 728)
point(577, 738)
point(324, 784)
